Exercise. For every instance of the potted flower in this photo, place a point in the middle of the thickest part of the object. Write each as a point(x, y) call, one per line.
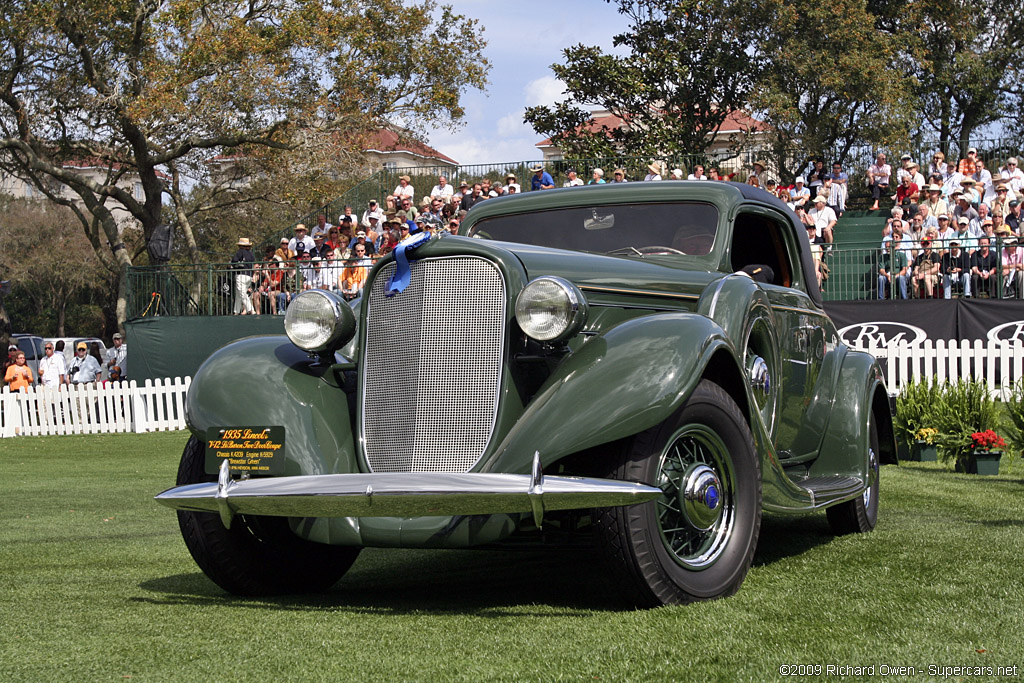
point(983, 455)
point(923, 448)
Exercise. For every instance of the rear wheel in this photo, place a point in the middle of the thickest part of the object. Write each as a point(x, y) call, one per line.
point(257, 555)
point(697, 541)
point(860, 514)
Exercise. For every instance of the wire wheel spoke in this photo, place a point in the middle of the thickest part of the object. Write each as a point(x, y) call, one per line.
point(695, 450)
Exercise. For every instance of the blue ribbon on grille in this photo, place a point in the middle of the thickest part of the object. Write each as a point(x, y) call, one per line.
point(403, 273)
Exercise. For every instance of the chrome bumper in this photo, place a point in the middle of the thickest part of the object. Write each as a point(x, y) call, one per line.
point(403, 495)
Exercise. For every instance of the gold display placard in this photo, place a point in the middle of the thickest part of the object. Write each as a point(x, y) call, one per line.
point(257, 450)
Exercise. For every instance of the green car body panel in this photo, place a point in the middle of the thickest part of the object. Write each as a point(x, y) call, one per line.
point(656, 327)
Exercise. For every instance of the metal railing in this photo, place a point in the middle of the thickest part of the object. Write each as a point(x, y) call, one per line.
point(215, 289)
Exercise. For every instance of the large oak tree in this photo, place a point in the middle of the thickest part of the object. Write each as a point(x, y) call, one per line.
point(144, 87)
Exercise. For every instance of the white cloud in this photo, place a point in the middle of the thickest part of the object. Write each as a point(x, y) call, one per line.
point(511, 124)
point(545, 90)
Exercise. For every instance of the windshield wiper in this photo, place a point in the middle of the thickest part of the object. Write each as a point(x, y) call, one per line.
point(631, 251)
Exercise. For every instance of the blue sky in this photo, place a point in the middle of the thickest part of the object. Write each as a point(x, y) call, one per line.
point(523, 40)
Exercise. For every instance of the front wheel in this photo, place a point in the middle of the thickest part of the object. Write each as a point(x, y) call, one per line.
point(697, 541)
point(257, 555)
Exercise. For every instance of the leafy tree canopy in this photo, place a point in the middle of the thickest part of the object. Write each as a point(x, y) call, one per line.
point(137, 86)
point(688, 64)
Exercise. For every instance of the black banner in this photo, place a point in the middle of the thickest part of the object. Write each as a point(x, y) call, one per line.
point(860, 322)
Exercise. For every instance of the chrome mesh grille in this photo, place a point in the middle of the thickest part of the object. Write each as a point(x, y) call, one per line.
point(432, 366)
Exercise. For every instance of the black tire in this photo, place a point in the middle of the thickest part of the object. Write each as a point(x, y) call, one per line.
point(860, 514)
point(664, 552)
point(257, 555)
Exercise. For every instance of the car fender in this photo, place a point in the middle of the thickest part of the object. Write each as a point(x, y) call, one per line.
point(617, 384)
point(859, 391)
point(268, 381)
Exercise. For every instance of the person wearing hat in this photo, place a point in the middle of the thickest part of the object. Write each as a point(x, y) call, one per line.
point(799, 195)
point(512, 184)
point(926, 271)
point(824, 218)
point(597, 177)
point(118, 355)
point(935, 203)
point(677, 174)
point(442, 190)
point(242, 263)
point(816, 242)
point(1013, 268)
point(1012, 217)
point(970, 186)
point(964, 209)
point(653, 172)
point(84, 369)
point(402, 191)
point(372, 209)
point(1000, 201)
point(541, 179)
point(572, 180)
point(760, 170)
point(967, 167)
point(282, 250)
point(300, 236)
point(878, 179)
point(956, 270)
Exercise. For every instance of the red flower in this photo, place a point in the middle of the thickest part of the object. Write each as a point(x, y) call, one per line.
point(987, 440)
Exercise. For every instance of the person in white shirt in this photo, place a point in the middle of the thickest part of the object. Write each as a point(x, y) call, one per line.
point(402, 191)
point(442, 189)
point(800, 195)
point(698, 173)
point(1013, 175)
point(654, 172)
point(118, 355)
point(510, 184)
point(84, 368)
point(824, 218)
point(573, 179)
point(301, 236)
point(52, 369)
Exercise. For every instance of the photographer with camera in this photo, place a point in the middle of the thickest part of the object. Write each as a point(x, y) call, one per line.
point(84, 368)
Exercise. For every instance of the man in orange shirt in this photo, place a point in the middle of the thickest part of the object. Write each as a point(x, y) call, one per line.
point(967, 166)
point(19, 375)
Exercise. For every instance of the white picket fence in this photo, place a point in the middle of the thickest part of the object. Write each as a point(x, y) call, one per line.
point(999, 364)
point(157, 405)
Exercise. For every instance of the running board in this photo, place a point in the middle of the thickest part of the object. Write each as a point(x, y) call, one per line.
point(415, 494)
point(831, 489)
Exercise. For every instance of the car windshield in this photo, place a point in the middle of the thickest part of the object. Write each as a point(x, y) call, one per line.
point(627, 229)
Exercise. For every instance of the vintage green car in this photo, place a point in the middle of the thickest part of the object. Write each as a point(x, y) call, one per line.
point(645, 367)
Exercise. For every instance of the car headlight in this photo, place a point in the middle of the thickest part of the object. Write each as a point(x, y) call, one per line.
point(551, 309)
point(319, 320)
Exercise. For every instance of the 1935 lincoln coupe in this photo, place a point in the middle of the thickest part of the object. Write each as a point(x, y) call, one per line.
point(646, 366)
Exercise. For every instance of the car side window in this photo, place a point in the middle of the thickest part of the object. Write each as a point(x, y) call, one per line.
point(757, 241)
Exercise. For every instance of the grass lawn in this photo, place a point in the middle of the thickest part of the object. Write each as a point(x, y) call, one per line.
point(96, 584)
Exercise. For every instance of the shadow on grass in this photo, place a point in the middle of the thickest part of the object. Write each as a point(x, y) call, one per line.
point(475, 581)
point(436, 581)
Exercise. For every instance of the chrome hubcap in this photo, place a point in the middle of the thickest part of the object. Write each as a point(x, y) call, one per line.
point(701, 497)
point(697, 513)
point(872, 476)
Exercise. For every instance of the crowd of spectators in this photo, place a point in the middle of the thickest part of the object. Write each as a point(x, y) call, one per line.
point(940, 222)
point(952, 233)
